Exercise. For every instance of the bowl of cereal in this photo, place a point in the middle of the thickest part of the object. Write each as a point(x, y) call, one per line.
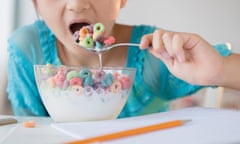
point(73, 94)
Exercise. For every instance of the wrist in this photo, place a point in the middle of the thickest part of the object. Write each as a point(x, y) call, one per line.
point(218, 77)
point(228, 72)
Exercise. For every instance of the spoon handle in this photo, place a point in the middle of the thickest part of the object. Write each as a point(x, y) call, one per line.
point(121, 44)
point(125, 44)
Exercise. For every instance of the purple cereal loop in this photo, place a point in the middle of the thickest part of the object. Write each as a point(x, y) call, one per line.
point(90, 28)
point(100, 91)
point(97, 85)
point(88, 91)
point(99, 75)
point(76, 36)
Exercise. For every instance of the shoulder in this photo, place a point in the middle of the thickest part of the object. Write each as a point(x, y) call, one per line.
point(143, 29)
point(25, 34)
point(27, 40)
point(22, 41)
point(140, 30)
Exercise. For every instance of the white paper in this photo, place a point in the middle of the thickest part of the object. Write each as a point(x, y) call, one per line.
point(208, 126)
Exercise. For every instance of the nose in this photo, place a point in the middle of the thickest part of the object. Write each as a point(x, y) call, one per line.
point(78, 5)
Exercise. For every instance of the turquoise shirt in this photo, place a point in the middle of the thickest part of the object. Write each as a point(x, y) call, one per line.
point(153, 89)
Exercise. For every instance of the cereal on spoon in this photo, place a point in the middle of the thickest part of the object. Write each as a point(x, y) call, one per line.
point(92, 37)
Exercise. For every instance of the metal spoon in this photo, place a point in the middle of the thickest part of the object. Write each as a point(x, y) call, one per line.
point(106, 48)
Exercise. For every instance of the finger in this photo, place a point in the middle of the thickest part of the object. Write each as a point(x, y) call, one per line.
point(191, 40)
point(146, 41)
point(167, 41)
point(164, 56)
point(157, 42)
point(178, 46)
point(159, 49)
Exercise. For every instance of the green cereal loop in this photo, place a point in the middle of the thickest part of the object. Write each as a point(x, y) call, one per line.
point(72, 74)
point(87, 42)
point(98, 28)
point(84, 73)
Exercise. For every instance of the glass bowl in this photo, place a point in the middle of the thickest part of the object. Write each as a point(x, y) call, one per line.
point(73, 94)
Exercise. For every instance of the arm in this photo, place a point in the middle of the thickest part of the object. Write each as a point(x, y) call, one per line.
point(229, 75)
point(191, 58)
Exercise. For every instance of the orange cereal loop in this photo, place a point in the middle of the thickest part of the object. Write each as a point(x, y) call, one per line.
point(83, 32)
point(29, 124)
point(77, 89)
point(116, 87)
point(51, 82)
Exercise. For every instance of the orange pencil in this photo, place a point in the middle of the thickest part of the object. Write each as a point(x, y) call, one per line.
point(131, 132)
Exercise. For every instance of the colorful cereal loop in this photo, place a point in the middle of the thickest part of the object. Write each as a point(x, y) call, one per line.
point(116, 87)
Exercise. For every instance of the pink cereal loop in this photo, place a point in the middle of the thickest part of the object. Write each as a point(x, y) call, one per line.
point(75, 81)
point(126, 82)
point(109, 40)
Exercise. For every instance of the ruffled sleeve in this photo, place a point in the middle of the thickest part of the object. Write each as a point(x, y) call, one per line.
point(29, 45)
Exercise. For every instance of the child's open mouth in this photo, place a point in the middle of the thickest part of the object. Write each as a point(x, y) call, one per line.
point(77, 26)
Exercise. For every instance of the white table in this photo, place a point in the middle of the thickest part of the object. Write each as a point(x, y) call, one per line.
point(208, 126)
point(43, 133)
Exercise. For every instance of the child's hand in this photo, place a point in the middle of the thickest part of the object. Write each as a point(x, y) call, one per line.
point(187, 56)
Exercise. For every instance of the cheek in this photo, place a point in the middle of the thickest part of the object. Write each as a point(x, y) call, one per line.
point(51, 12)
point(55, 21)
point(108, 16)
point(109, 9)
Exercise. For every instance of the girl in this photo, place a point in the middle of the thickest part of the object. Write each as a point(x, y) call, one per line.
point(50, 40)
